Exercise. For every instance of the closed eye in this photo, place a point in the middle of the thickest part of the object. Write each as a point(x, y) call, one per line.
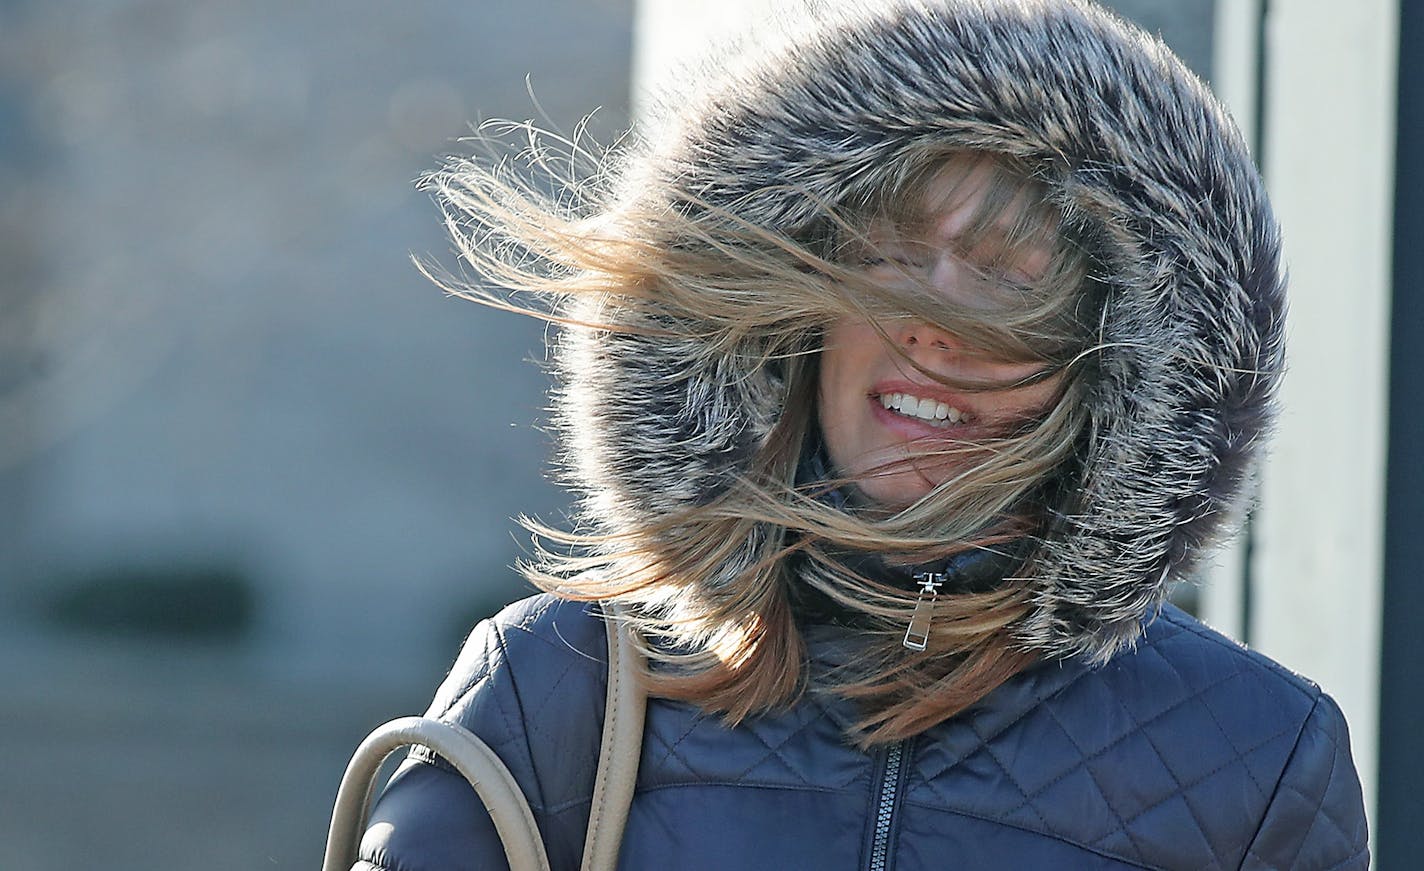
point(906, 262)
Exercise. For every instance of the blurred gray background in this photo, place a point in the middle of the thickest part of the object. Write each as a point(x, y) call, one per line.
point(256, 474)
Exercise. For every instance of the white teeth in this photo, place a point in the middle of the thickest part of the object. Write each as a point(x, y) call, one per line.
point(923, 408)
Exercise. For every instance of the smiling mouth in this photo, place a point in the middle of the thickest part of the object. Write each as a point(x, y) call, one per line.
point(923, 409)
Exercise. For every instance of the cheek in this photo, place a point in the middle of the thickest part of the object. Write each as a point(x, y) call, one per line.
point(845, 359)
point(1026, 402)
point(842, 381)
point(846, 337)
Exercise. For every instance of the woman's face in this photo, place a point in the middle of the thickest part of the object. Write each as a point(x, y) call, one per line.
point(881, 418)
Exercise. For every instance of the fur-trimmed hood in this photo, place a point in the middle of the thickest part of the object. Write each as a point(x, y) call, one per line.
point(1137, 153)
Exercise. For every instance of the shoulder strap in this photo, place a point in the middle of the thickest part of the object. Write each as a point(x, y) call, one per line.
point(620, 748)
point(618, 754)
point(499, 792)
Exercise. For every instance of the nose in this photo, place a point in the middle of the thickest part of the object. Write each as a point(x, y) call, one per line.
point(916, 334)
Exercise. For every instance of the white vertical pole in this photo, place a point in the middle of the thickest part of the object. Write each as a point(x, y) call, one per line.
point(1318, 538)
point(1236, 61)
point(667, 33)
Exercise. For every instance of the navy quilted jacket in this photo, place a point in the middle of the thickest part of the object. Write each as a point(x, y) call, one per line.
point(1189, 753)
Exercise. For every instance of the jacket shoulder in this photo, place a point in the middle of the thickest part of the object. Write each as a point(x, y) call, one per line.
point(1188, 751)
point(530, 683)
point(1204, 664)
point(1315, 816)
point(1259, 756)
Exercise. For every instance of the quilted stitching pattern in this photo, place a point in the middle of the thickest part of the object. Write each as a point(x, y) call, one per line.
point(531, 684)
point(1166, 757)
point(801, 749)
point(511, 681)
point(476, 692)
point(1311, 823)
point(1190, 753)
point(560, 675)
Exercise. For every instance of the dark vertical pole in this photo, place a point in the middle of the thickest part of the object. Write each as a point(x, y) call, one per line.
point(1400, 840)
point(1258, 147)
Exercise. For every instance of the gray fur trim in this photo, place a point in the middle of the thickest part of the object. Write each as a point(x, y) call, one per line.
point(1134, 146)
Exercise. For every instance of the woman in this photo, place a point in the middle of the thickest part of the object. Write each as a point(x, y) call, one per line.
point(907, 361)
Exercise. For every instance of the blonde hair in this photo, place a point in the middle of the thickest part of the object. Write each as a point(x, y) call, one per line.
point(681, 269)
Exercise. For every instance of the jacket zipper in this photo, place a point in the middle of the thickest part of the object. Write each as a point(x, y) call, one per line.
point(917, 634)
point(890, 784)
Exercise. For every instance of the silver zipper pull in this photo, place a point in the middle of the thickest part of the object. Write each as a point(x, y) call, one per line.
point(917, 634)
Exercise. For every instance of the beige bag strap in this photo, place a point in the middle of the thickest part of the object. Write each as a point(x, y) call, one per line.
point(620, 748)
point(471, 757)
point(618, 754)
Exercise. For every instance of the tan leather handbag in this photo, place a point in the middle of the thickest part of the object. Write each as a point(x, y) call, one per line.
point(612, 787)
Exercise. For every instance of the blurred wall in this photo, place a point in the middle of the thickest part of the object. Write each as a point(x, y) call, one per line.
point(256, 473)
point(218, 363)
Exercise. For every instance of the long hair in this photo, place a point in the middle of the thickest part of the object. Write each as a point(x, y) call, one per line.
point(713, 586)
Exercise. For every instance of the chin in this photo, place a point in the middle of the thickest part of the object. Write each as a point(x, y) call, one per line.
point(892, 492)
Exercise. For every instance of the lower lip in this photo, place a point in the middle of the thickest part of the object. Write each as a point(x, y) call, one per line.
point(914, 428)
